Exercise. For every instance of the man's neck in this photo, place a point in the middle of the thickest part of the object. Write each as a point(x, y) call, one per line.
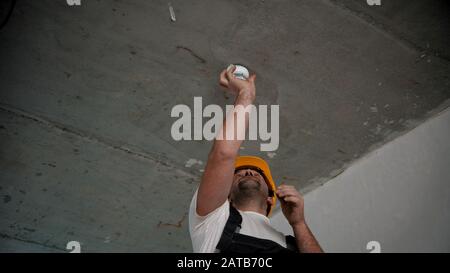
point(252, 207)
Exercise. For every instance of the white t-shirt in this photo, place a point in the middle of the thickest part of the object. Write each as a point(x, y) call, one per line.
point(206, 230)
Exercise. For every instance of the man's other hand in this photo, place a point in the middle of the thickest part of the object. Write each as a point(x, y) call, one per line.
point(291, 204)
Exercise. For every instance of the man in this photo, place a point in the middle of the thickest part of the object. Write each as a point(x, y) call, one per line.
point(229, 212)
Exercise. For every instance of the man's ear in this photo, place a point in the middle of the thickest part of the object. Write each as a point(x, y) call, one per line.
point(269, 202)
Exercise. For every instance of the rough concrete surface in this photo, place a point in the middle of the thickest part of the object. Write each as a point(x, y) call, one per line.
point(86, 94)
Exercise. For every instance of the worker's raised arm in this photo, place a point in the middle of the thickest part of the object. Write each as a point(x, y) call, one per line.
point(219, 172)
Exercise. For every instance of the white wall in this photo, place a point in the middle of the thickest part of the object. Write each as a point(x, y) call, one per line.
point(398, 195)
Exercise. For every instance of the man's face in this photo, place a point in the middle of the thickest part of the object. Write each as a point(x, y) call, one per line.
point(249, 180)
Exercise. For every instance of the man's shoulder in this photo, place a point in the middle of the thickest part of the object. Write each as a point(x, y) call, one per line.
point(215, 217)
point(205, 231)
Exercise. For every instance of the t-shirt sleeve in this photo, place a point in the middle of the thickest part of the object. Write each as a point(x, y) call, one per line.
point(206, 230)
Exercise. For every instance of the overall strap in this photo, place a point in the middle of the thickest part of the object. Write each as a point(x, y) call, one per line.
point(234, 221)
point(232, 241)
point(291, 243)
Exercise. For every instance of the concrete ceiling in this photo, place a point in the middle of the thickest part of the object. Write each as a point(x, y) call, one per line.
point(86, 94)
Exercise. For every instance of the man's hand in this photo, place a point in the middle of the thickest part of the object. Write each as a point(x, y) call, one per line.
point(293, 209)
point(237, 86)
point(291, 204)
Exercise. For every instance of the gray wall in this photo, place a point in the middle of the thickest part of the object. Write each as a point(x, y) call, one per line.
point(398, 195)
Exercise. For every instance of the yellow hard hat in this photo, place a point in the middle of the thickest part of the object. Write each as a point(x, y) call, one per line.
point(260, 165)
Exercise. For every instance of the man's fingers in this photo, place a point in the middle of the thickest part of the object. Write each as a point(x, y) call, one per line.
point(284, 186)
point(290, 199)
point(282, 194)
point(223, 81)
point(229, 72)
point(283, 191)
point(252, 78)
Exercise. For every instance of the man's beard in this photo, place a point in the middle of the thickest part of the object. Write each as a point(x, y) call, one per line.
point(249, 186)
point(247, 190)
